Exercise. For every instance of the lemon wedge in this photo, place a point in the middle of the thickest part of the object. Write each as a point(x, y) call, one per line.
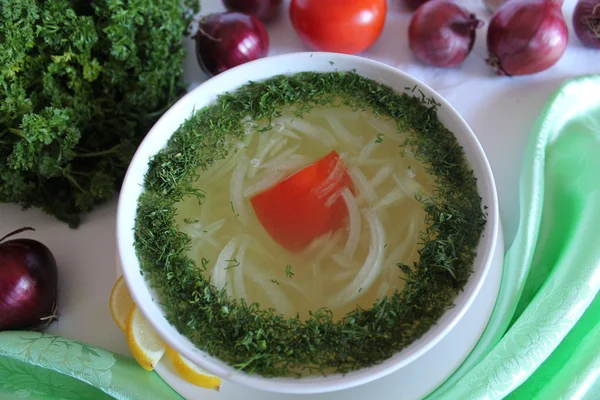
point(121, 303)
point(192, 373)
point(145, 345)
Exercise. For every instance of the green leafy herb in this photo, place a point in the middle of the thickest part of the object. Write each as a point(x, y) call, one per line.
point(379, 138)
point(232, 263)
point(275, 281)
point(233, 209)
point(204, 263)
point(261, 340)
point(288, 271)
point(81, 83)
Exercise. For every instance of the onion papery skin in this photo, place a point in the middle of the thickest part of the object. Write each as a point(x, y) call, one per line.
point(265, 10)
point(414, 4)
point(586, 23)
point(526, 37)
point(442, 33)
point(226, 40)
point(28, 285)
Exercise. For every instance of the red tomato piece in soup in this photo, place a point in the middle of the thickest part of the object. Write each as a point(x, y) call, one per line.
point(297, 210)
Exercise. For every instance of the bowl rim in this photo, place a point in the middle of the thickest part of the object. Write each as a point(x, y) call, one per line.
point(142, 294)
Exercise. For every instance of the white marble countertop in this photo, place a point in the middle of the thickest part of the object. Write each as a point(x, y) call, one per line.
point(500, 110)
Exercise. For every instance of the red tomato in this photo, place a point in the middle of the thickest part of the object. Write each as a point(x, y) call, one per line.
point(295, 211)
point(341, 26)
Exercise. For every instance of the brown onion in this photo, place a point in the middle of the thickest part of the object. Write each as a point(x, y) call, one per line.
point(442, 33)
point(586, 22)
point(526, 37)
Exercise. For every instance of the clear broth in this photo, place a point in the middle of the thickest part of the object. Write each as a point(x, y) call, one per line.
point(241, 256)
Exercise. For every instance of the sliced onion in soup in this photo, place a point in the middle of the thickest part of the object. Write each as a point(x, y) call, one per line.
point(219, 273)
point(371, 268)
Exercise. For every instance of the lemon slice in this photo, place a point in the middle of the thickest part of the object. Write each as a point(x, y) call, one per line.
point(192, 373)
point(121, 303)
point(145, 345)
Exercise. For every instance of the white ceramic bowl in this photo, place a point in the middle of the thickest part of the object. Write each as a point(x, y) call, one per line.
point(490, 243)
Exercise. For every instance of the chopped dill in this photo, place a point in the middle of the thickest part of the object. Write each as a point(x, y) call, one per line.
point(275, 281)
point(233, 209)
point(258, 339)
point(288, 271)
point(232, 263)
point(379, 138)
point(204, 263)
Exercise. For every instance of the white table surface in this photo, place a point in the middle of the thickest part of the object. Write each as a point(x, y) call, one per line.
point(500, 110)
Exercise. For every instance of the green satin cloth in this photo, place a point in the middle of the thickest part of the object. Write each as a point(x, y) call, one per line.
point(542, 341)
point(37, 366)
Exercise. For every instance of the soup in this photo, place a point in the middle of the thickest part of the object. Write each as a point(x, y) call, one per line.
point(299, 266)
point(309, 224)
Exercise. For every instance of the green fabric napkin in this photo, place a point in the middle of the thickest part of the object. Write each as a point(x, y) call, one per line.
point(36, 366)
point(542, 341)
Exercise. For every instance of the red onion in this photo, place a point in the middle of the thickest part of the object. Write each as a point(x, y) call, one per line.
point(28, 284)
point(442, 33)
point(265, 10)
point(414, 4)
point(226, 40)
point(526, 37)
point(586, 22)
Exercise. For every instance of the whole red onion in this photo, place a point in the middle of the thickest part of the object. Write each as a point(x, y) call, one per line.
point(28, 284)
point(586, 22)
point(226, 40)
point(265, 10)
point(414, 4)
point(526, 37)
point(442, 33)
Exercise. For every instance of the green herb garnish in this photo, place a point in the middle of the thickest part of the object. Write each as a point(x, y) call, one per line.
point(379, 138)
point(260, 340)
point(81, 83)
point(288, 271)
point(204, 262)
point(275, 281)
point(233, 209)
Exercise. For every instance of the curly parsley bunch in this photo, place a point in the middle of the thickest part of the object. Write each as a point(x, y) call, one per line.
point(81, 83)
